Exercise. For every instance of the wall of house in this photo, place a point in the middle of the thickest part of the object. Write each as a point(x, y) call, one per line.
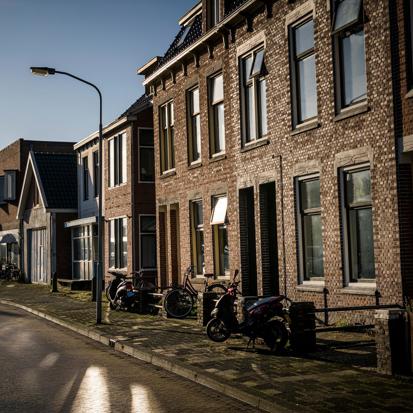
point(333, 143)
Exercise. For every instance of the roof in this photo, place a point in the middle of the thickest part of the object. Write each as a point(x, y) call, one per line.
point(138, 105)
point(58, 175)
point(194, 34)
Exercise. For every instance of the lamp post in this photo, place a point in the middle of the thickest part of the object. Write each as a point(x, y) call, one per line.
point(46, 71)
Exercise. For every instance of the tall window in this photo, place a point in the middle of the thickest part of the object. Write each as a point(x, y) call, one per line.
point(194, 125)
point(147, 233)
point(310, 245)
point(117, 160)
point(253, 96)
point(216, 114)
point(357, 224)
point(350, 59)
point(303, 72)
point(167, 137)
point(96, 174)
point(2, 201)
point(214, 15)
point(118, 243)
point(84, 242)
point(10, 185)
point(409, 42)
point(218, 222)
point(197, 226)
point(146, 156)
point(85, 168)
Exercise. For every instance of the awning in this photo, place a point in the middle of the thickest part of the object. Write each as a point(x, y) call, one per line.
point(80, 222)
point(8, 239)
point(219, 213)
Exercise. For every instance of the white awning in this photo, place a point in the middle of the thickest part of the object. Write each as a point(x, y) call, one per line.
point(219, 213)
point(82, 221)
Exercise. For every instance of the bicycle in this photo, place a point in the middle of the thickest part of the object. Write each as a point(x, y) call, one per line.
point(179, 301)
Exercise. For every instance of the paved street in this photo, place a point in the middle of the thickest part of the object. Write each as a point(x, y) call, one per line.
point(45, 368)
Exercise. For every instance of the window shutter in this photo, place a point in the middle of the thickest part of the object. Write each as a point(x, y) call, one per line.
point(111, 162)
point(124, 158)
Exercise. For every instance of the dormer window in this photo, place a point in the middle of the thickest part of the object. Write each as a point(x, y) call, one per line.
point(213, 12)
point(184, 34)
point(10, 186)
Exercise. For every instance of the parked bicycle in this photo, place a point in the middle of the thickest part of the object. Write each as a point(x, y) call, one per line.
point(179, 301)
point(10, 272)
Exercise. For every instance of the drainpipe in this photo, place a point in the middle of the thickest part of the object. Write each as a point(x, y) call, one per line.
point(133, 212)
point(283, 224)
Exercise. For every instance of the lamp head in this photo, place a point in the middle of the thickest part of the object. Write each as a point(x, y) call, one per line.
point(42, 71)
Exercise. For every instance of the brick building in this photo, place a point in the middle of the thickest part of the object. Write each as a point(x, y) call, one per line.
point(275, 150)
point(13, 159)
point(129, 191)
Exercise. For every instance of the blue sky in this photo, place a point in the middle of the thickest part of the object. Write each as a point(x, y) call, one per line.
point(103, 41)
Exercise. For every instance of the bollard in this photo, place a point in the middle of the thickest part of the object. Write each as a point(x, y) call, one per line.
point(54, 283)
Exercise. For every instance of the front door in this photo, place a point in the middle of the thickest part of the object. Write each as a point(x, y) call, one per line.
point(37, 259)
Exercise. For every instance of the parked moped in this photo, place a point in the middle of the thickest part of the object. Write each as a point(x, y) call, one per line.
point(267, 318)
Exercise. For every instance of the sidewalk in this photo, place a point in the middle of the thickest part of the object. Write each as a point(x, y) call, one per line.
point(339, 377)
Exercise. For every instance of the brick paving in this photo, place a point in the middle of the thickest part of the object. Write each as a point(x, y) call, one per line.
point(340, 376)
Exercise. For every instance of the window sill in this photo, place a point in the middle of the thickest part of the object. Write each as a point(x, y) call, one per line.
point(312, 286)
point(255, 144)
point(304, 127)
point(195, 165)
point(111, 188)
point(409, 94)
point(218, 157)
point(352, 111)
point(167, 174)
point(362, 289)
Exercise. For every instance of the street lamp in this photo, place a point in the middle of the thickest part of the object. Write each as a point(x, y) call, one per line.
point(46, 71)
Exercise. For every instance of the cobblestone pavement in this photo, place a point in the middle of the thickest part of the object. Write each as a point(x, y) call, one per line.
point(339, 377)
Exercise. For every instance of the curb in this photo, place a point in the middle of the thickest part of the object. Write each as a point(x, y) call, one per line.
point(177, 368)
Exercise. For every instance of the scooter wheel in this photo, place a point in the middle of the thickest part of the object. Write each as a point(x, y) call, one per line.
point(217, 331)
point(275, 335)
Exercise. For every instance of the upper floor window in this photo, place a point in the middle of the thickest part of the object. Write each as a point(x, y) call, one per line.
point(10, 185)
point(194, 125)
point(310, 245)
point(146, 155)
point(357, 217)
point(253, 95)
point(85, 180)
point(118, 243)
point(96, 174)
point(303, 71)
point(117, 160)
point(216, 114)
point(213, 13)
point(350, 59)
point(167, 121)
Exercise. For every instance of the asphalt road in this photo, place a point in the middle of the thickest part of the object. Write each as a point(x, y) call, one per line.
point(45, 368)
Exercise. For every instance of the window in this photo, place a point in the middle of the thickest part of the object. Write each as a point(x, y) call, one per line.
point(216, 114)
point(197, 238)
point(303, 72)
point(10, 186)
point(96, 174)
point(167, 137)
point(409, 42)
point(214, 15)
point(218, 222)
point(184, 33)
point(2, 202)
point(357, 225)
point(350, 59)
point(85, 168)
point(117, 160)
point(310, 245)
point(147, 233)
point(146, 156)
point(84, 241)
point(194, 125)
point(253, 96)
point(118, 243)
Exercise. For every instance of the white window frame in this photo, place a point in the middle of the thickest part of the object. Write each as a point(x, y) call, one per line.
point(213, 119)
point(10, 177)
point(122, 159)
point(167, 136)
point(117, 251)
point(192, 115)
point(140, 241)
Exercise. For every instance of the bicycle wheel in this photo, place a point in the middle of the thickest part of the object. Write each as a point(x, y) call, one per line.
point(217, 288)
point(178, 303)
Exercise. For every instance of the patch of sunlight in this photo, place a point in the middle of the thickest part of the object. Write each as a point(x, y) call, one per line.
point(49, 361)
point(141, 401)
point(93, 394)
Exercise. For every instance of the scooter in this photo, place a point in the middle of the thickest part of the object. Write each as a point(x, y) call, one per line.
point(267, 318)
point(120, 292)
